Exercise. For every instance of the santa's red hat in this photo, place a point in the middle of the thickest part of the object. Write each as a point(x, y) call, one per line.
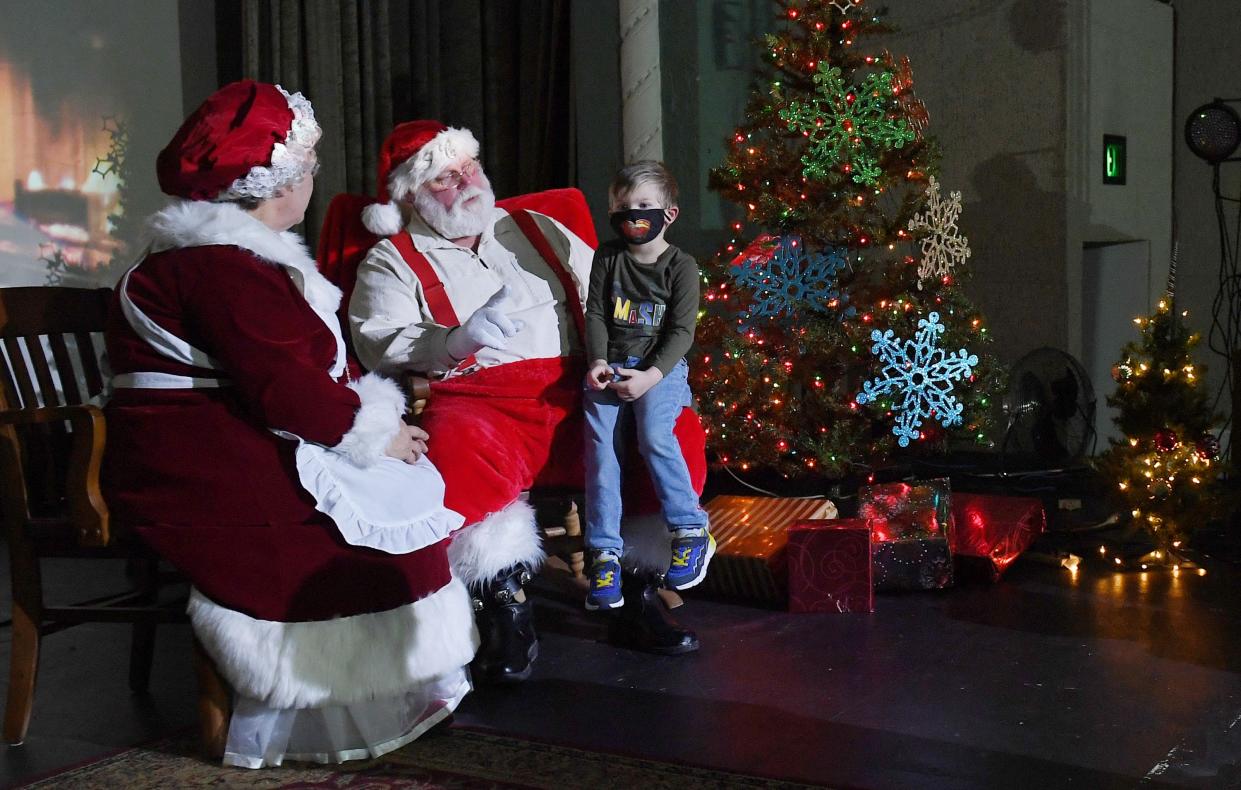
point(415, 153)
point(247, 140)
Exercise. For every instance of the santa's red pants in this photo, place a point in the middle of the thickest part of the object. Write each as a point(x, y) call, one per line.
point(508, 428)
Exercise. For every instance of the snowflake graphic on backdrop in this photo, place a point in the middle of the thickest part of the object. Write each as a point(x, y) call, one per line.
point(943, 247)
point(844, 6)
point(791, 277)
point(922, 373)
point(848, 127)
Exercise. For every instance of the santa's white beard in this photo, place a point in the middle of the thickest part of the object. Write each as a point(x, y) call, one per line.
point(460, 220)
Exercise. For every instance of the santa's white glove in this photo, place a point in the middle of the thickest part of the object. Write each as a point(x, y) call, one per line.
point(487, 327)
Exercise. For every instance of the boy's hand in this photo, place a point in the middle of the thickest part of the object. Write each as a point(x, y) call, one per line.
point(599, 375)
point(635, 382)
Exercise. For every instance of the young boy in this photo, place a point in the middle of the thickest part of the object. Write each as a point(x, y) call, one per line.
point(640, 316)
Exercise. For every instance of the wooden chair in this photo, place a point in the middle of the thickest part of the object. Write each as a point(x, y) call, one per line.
point(51, 447)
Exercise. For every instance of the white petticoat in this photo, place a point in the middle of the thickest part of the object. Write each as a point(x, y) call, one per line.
point(261, 736)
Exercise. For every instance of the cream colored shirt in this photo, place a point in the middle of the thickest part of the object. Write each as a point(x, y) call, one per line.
point(391, 321)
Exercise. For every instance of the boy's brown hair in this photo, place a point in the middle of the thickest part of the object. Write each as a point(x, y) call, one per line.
point(645, 171)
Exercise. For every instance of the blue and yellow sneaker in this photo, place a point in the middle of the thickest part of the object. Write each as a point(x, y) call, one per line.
point(604, 579)
point(692, 550)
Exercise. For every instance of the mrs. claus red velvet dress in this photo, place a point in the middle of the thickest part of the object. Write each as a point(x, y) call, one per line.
point(208, 462)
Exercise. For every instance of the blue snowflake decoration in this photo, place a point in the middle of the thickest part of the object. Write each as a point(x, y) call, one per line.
point(923, 372)
point(792, 278)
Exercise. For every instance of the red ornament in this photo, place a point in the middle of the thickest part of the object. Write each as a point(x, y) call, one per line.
point(1208, 447)
point(1166, 441)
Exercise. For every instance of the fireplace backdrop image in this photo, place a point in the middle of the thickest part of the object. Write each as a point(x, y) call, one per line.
point(89, 91)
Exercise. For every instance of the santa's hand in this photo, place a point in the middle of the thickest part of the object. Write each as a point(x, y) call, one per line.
point(487, 327)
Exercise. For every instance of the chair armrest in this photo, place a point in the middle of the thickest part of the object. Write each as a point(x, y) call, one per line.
point(87, 509)
point(418, 388)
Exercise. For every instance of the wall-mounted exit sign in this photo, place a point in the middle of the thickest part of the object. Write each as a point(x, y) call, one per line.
point(1114, 164)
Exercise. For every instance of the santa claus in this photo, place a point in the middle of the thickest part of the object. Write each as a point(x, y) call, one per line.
point(488, 304)
point(298, 503)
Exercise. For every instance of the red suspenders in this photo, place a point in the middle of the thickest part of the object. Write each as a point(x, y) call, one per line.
point(525, 221)
point(433, 289)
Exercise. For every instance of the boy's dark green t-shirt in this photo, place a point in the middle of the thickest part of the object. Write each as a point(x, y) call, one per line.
point(644, 310)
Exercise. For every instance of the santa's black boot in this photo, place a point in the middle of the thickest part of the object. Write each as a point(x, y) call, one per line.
point(644, 622)
point(508, 644)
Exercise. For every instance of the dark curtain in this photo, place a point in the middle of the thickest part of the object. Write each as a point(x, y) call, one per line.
point(497, 67)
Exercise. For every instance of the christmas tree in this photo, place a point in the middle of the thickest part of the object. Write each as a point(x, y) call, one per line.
point(1165, 467)
point(835, 333)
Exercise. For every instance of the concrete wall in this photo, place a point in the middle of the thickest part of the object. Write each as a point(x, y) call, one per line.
point(1127, 91)
point(992, 77)
point(1208, 64)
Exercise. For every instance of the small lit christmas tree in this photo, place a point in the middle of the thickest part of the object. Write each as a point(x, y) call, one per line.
point(1165, 467)
point(835, 332)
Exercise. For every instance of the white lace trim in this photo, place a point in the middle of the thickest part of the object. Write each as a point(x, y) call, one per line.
point(291, 161)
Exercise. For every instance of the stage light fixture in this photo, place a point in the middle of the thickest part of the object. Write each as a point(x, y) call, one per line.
point(1213, 132)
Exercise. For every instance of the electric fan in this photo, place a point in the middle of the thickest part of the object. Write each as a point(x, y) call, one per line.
point(1050, 409)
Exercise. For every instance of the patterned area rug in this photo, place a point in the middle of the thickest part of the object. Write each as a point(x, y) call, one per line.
point(458, 758)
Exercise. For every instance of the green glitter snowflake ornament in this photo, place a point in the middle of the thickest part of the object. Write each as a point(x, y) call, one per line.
point(848, 128)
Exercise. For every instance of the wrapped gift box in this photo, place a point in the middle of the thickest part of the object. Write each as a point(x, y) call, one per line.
point(751, 535)
point(989, 532)
point(911, 532)
point(912, 564)
point(830, 566)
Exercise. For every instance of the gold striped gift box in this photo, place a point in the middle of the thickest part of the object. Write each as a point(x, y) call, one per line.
point(750, 536)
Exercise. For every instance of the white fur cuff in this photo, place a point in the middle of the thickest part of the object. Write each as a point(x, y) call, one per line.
point(480, 551)
point(377, 421)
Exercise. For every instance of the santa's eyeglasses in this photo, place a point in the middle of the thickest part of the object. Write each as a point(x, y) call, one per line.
point(455, 178)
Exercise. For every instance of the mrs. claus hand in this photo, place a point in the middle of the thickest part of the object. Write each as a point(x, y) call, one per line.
point(409, 444)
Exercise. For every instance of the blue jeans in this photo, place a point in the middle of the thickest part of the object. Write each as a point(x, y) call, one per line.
point(654, 414)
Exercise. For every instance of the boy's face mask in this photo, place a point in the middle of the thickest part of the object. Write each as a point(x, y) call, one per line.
point(638, 225)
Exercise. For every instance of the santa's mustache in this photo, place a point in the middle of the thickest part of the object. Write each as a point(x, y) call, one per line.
point(467, 194)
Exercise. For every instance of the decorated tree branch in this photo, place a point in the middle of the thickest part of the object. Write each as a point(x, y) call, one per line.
point(836, 334)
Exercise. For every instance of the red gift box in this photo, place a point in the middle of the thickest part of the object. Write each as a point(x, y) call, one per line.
point(830, 566)
point(994, 529)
